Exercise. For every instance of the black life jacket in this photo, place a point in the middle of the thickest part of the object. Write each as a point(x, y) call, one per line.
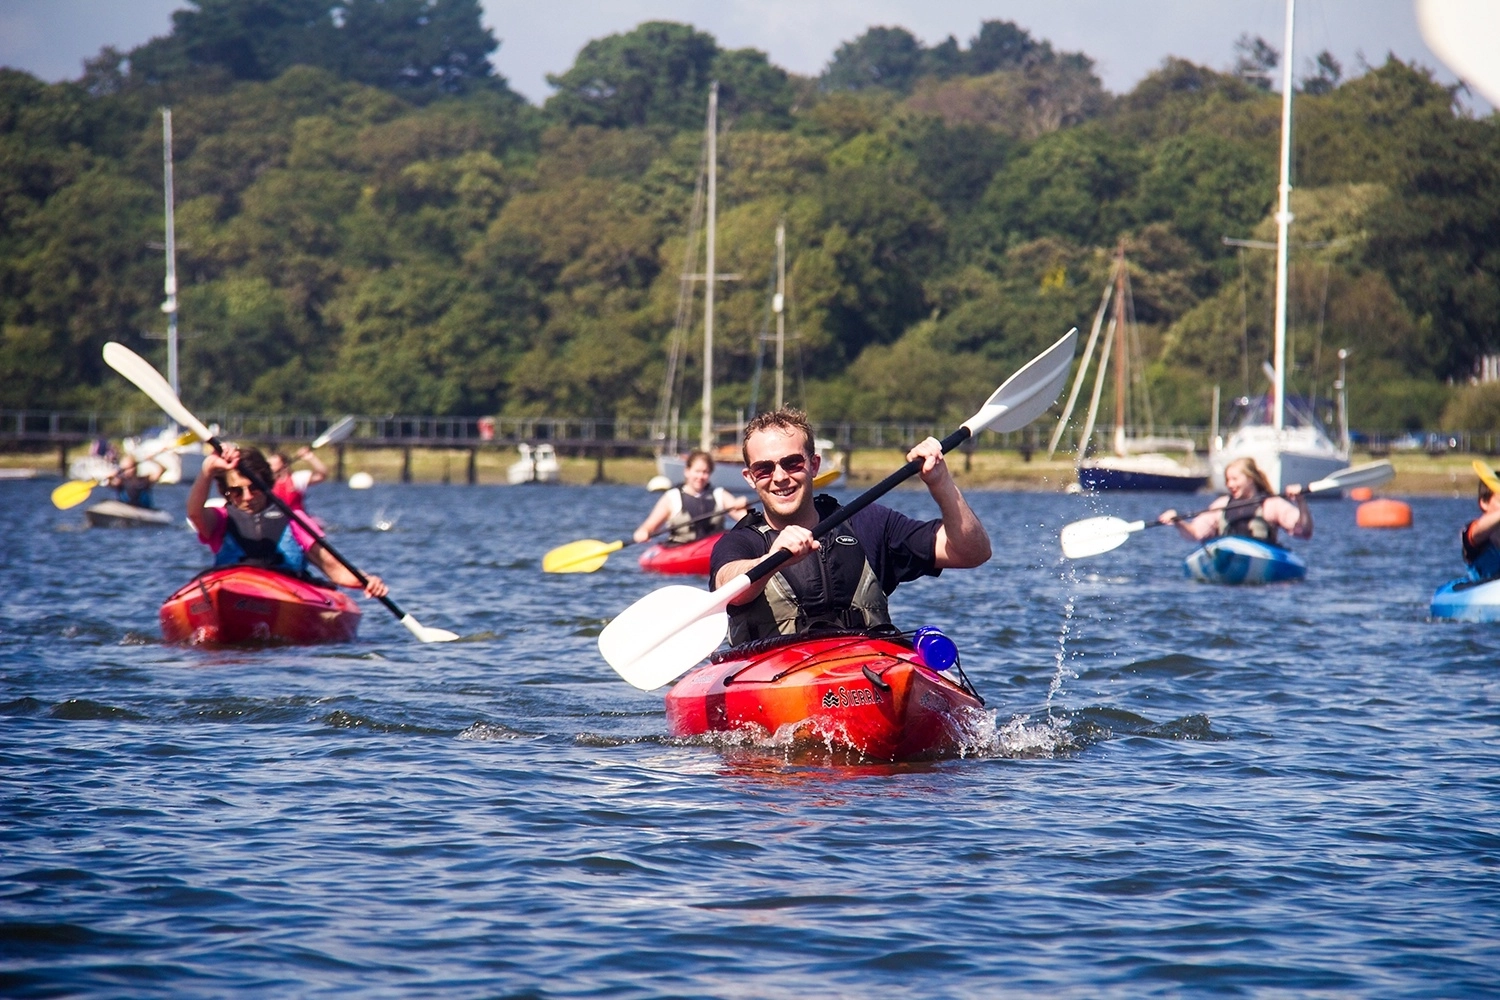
point(694, 507)
point(1244, 520)
point(832, 588)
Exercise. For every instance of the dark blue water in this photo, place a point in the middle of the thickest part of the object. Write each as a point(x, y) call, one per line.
point(1188, 790)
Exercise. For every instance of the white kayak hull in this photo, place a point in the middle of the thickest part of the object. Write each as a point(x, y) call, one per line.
point(114, 514)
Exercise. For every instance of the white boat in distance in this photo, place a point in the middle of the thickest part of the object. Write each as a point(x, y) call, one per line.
point(537, 464)
point(1300, 452)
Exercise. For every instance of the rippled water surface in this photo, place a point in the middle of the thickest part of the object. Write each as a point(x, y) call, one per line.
point(1284, 791)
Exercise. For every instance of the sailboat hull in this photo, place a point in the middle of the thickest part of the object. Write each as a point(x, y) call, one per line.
point(1119, 474)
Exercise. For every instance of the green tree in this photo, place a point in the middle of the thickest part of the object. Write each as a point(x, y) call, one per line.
point(882, 57)
point(657, 74)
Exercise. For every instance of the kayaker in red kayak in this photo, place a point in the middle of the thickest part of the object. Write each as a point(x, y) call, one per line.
point(845, 582)
point(692, 500)
point(1247, 518)
point(248, 529)
point(292, 486)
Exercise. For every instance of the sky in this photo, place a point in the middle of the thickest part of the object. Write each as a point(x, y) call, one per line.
point(1126, 38)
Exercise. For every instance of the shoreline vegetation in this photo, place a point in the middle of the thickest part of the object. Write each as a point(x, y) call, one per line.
point(1417, 474)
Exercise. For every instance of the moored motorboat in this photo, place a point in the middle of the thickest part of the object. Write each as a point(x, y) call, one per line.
point(686, 559)
point(238, 605)
point(870, 695)
point(1233, 559)
point(118, 514)
point(1467, 600)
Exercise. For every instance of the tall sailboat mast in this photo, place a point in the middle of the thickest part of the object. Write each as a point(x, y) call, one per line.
point(706, 438)
point(170, 306)
point(1283, 221)
point(779, 305)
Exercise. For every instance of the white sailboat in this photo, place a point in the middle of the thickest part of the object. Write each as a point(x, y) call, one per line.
point(538, 464)
point(1295, 450)
point(1136, 463)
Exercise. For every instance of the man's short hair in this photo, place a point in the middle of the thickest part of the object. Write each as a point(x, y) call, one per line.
point(788, 418)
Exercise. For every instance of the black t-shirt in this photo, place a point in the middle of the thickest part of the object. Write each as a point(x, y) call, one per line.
point(898, 548)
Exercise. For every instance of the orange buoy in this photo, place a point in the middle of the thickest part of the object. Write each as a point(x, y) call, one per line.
point(1383, 514)
point(1361, 493)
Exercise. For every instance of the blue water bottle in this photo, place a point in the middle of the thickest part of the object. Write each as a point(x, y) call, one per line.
point(934, 649)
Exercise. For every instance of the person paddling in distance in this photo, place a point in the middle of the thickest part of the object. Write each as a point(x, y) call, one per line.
point(1481, 539)
point(690, 501)
point(844, 580)
point(292, 486)
point(131, 486)
point(250, 530)
point(1250, 510)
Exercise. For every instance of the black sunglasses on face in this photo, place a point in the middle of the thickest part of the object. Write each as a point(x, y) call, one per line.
point(791, 464)
point(234, 491)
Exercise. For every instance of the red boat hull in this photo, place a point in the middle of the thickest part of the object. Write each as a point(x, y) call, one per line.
point(871, 696)
point(687, 559)
point(245, 605)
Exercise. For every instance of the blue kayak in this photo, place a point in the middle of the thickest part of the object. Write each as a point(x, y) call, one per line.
point(1232, 559)
point(1467, 600)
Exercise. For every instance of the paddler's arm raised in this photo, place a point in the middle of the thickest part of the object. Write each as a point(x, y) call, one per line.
point(962, 542)
point(197, 496)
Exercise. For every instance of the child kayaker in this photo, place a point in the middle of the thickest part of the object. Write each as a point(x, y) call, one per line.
point(1481, 542)
point(131, 486)
point(690, 501)
point(292, 486)
point(1250, 510)
point(843, 580)
point(249, 530)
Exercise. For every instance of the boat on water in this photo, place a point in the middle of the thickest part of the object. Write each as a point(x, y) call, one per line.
point(1287, 451)
point(537, 464)
point(118, 514)
point(1467, 600)
point(247, 605)
point(870, 695)
point(1231, 559)
point(682, 559)
point(1137, 463)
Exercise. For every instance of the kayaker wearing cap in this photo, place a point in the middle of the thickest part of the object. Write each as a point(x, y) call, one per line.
point(1256, 512)
point(292, 486)
point(131, 486)
point(1481, 542)
point(248, 529)
point(842, 581)
point(692, 500)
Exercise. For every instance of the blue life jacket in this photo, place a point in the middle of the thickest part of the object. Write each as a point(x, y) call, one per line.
point(263, 539)
point(1484, 563)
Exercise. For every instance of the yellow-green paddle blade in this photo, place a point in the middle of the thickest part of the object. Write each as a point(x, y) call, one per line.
point(71, 494)
point(583, 556)
point(1487, 475)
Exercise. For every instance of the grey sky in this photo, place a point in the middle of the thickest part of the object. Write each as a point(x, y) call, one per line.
point(1126, 38)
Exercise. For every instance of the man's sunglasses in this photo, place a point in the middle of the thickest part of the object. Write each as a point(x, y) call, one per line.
point(233, 491)
point(790, 464)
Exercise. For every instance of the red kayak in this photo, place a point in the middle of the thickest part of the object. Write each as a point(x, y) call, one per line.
point(237, 605)
point(688, 558)
point(873, 696)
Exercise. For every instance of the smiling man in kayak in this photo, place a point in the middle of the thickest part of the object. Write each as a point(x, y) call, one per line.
point(842, 581)
point(249, 530)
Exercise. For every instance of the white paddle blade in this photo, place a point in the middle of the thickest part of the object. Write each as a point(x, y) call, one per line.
point(426, 634)
point(340, 431)
point(1369, 474)
point(138, 370)
point(1097, 535)
point(1028, 393)
point(666, 632)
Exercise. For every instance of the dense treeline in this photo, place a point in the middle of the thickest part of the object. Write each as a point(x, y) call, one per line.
point(369, 219)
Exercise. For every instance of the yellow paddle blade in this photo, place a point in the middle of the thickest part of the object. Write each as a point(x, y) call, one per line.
point(826, 477)
point(73, 493)
point(1487, 475)
point(583, 556)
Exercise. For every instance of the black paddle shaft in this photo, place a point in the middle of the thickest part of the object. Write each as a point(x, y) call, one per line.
point(775, 561)
point(288, 510)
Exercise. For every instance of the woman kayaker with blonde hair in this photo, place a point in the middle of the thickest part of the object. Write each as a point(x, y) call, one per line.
point(1250, 510)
